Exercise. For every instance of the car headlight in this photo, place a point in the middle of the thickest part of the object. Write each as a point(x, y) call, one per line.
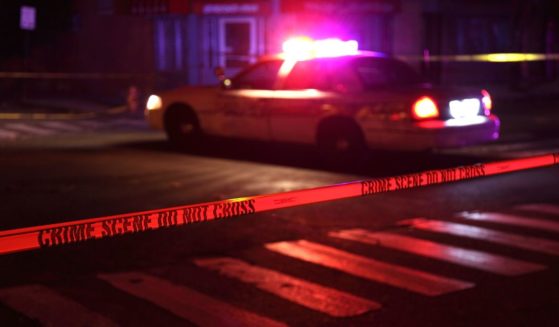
point(154, 102)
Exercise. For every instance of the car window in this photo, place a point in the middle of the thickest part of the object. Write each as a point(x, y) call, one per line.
point(311, 74)
point(260, 76)
point(344, 79)
point(377, 72)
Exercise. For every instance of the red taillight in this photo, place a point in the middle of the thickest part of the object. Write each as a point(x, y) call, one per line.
point(425, 108)
point(487, 102)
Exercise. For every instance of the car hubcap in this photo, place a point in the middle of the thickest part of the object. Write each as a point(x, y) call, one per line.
point(342, 144)
point(186, 128)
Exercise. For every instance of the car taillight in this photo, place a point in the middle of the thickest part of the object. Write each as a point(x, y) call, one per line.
point(425, 108)
point(487, 102)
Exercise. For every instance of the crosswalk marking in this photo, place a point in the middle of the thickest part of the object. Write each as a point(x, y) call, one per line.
point(465, 257)
point(501, 218)
point(7, 134)
point(486, 234)
point(398, 276)
point(320, 298)
point(186, 303)
point(14, 131)
point(50, 308)
point(28, 128)
point(540, 208)
point(61, 126)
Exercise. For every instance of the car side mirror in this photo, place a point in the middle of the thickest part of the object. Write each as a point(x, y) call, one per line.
point(224, 82)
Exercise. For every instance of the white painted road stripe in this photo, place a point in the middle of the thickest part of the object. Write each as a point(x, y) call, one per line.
point(320, 298)
point(188, 304)
point(516, 220)
point(67, 127)
point(398, 276)
point(486, 234)
point(540, 208)
point(465, 257)
point(29, 129)
point(6, 134)
point(50, 308)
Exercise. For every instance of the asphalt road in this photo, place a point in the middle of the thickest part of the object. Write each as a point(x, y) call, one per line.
point(300, 266)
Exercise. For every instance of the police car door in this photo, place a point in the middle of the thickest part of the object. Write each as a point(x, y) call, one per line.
point(304, 95)
point(244, 104)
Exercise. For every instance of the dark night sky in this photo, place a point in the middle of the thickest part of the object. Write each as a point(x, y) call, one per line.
point(52, 18)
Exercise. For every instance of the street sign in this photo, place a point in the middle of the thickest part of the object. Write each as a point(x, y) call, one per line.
point(27, 18)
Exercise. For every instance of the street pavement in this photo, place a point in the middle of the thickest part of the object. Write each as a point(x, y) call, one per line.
point(523, 133)
point(61, 117)
point(22, 130)
point(479, 253)
point(463, 269)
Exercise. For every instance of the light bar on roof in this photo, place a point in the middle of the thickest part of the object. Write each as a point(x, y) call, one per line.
point(303, 48)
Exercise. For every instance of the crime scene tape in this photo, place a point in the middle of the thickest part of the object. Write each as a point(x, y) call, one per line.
point(505, 57)
point(499, 57)
point(37, 237)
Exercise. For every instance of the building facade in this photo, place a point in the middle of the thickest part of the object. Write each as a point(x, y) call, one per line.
point(165, 43)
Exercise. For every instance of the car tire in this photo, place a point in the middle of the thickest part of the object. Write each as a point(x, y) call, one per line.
point(182, 127)
point(341, 141)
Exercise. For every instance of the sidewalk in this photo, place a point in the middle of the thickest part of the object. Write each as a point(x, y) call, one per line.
point(543, 97)
point(58, 108)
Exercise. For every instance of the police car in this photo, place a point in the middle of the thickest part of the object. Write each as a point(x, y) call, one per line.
point(330, 94)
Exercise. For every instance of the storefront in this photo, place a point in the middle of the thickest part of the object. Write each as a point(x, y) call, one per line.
point(204, 35)
point(210, 34)
point(230, 35)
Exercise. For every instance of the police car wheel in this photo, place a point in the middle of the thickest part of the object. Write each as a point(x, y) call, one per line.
point(182, 127)
point(341, 142)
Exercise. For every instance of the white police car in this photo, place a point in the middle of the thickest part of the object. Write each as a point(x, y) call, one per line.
point(330, 94)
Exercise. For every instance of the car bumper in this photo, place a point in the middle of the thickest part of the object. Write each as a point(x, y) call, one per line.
point(154, 118)
point(438, 134)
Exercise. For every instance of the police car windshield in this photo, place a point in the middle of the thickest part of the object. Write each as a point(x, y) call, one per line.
point(379, 72)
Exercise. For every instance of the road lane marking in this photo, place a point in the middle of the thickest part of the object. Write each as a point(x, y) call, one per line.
point(398, 276)
point(486, 234)
point(186, 303)
point(465, 257)
point(26, 128)
point(65, 127)
point(50, 308)
point(7, 134)
point(505, 219)
point(317, 297)
point(540, 208)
